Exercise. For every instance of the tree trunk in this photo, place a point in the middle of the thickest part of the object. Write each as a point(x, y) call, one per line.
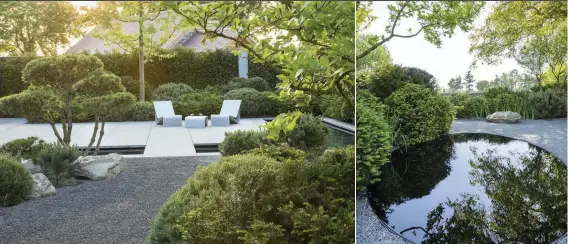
point(141, 50)
point(101, 134)
point(93, 136)
point(59, 139)
point(69, 119)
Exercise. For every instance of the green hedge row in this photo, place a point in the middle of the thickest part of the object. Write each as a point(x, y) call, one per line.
point(181, 65)
point(543, 104)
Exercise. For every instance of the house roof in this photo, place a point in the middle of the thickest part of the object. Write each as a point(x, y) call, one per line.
point(184, 38)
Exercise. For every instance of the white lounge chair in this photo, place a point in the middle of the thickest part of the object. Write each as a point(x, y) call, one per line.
point(230, 114)
point(165, 114)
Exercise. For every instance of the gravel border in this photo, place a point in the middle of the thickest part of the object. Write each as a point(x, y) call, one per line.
point(118, 210)
point(549, 135)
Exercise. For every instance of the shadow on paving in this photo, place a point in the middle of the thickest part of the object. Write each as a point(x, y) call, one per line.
point(119, 210)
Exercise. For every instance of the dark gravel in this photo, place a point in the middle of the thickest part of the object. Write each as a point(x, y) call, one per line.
point(118, 210)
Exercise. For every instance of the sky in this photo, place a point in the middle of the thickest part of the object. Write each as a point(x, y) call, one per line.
point(448, 61)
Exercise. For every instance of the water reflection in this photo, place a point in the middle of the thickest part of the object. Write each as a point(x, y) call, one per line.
point(473, 188)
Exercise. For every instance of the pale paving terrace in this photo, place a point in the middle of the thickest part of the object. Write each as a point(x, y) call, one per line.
point(159, 141)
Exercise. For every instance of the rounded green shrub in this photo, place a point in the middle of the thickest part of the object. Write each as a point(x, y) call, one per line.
point(374, 138)
point(239, 141)
point(15, 181)
point(198, 102)
point(281, 153)
point(386, 80)
point(140, 111)
point(58, 163)
point(334, 106)
point(252, 101)
point(256, 83)
point(310, 133)
point(476, 107)
point(170, 91)
point(256, 199)
point(27, 148)
point(493, 92)
point(422, 114)
point(274, 106)
point(548, 104)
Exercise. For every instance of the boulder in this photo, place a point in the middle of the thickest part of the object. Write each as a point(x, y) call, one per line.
point(29, 164)
point(42, 187)
point(100, 167)
point(507, 117)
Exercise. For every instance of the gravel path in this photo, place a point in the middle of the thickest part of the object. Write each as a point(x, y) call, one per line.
point(547, 134)
point(119, 210)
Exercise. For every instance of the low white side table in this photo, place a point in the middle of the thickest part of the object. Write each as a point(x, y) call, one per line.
point(195, 121)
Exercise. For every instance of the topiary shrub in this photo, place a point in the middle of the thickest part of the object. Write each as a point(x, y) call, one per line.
point(422, 114)
point(58, 163)
point(281, 153)
point(15, 181)
point(240, 140)
point(252, 101)
point(199, 102)
point(310, 133)
point(170, 91)
point(548, 104)
point(256, 83)
point(256, 199)
point(26, 148)
point(36, 104)
point(140, 111)
point(374, 138)
point(386, 80)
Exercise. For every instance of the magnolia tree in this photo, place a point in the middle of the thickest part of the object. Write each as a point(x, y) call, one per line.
point(311, 43)
point(434, 19)
point(54, 77)
point(102, 96)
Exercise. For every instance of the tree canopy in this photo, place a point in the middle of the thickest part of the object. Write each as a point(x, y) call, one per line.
point(32, 26)
point(155, 27)
point(531, 32)
point(312, 43)
point(435, 19)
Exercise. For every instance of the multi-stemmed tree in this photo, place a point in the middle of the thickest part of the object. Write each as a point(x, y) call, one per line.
point(59, 74)
point(103, 97)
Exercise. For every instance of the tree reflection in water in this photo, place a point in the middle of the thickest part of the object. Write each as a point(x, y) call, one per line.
point(527, 196)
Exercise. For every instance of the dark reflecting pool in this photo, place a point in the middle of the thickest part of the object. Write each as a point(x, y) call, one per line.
point(473, 188)
point(339, 138)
